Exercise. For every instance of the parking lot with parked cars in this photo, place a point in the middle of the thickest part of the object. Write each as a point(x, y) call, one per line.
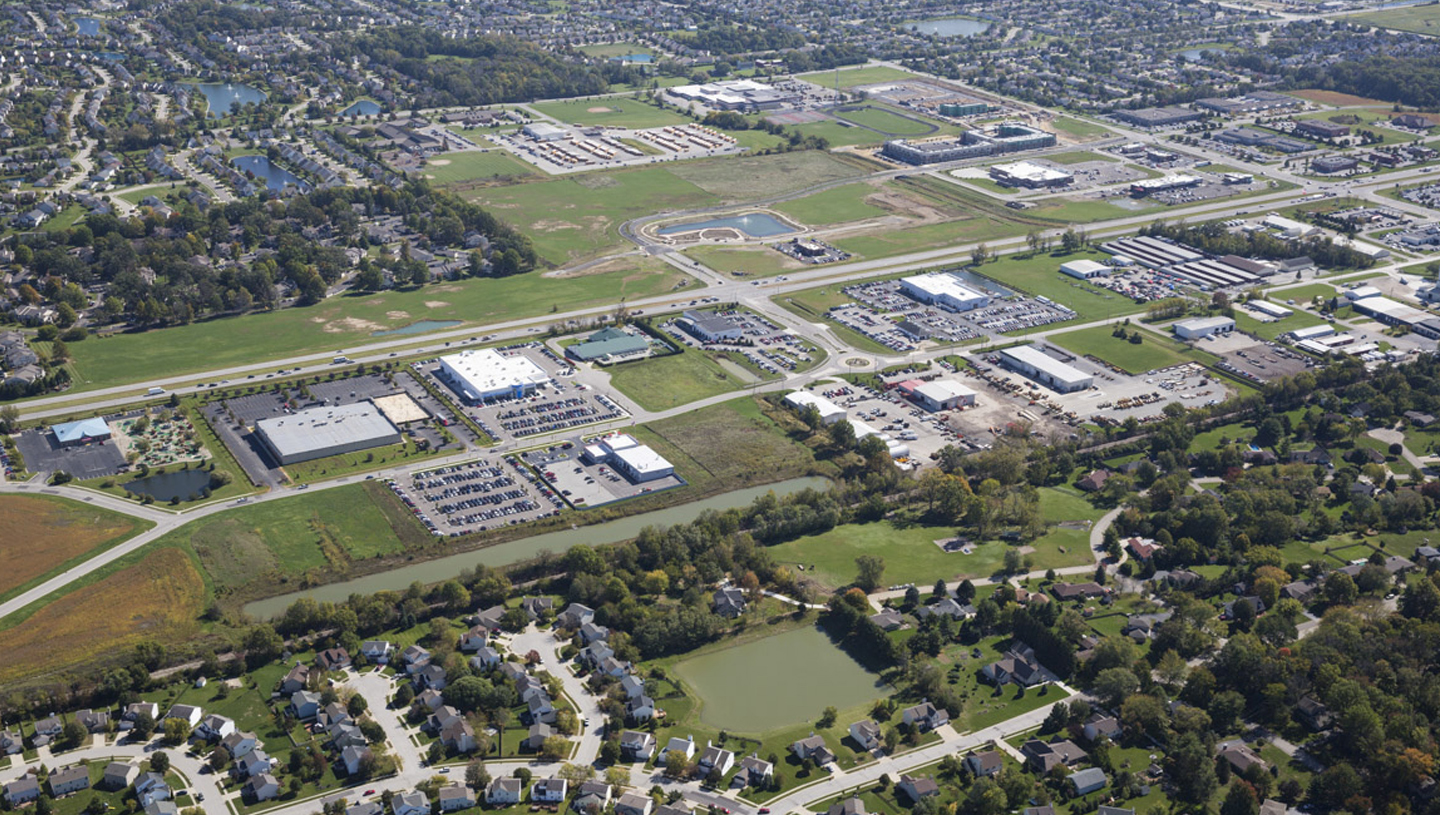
point(475, 496)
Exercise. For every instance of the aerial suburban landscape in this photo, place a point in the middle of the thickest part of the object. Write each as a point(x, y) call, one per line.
point(638, 408)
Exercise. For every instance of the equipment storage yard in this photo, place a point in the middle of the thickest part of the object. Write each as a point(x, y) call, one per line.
point(558, 405)
point(1254, 359)
point(475, 496)
point(562, 149)
point(584, 482)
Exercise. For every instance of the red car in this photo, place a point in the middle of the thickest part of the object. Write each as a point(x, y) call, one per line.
point(369, 792)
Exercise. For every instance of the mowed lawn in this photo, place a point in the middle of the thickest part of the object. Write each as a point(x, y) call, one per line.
point(1151, 353)
point(1274, 328)
point(346, 320)
point(320, 531)
point(886, 121)
point(748, 260)
point(837, 205)
point(41, 535)
point(612, 112)
point(1421, 19)
point(852, 77)
point(159, 597)
point(911, 555)
point(474, 165)
point(661, 383)
point(1040, 275)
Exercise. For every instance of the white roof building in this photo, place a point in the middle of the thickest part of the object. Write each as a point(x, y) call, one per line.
point(1198, 327)
point(1034, 363)
point(1288, 228)
point(830, 413)
point(943, 290)
point(1084, 269)
point(485, 373)
point(326, 431)
point(1268, 309)
point(944, 394)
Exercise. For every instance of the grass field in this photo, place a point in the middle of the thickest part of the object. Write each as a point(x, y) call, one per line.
point(612, 112)
point(136, 358)
point(614, 49)
point(70, 532)
point(313, 534)
point(1040, 276)
point(458, 167)
point(660, 383)
point(836, 205)
point(1421, 19)
point(747, 178)
point(911, 555)
point(731, 443)
point(853, 77)
point(886, 121)
point(1274, 328)
point(838, 134)
point(1079, 157)
point(1079, 128)
point(749, 260)
point(157, 598)
point(1303, 294)
point(1137, 359)
point(1336, 98)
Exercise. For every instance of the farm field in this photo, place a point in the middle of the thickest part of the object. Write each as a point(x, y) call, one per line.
point(1421, 19)
point(837, 205)
point(157, 597)
point(126, 358)
point(70, 532)
point(911, 555)
point(611, 112)
point(1150, 354)
point(470, 166)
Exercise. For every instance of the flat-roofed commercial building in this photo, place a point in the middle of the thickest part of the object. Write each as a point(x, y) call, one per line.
point(830, 413)
point(1084, 269)
point(634, 460)
point(940, 394)
point(326, 431)
point(1030, 175)
point(485, 373)
point(1031, 362)
point(943, 290)
point(1201, 327)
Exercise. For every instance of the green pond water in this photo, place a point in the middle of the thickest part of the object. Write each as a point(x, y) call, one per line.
point(777, 681)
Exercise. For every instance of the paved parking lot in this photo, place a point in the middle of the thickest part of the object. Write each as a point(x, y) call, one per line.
point(766, 345)
point(475, 496)
point(1255, 359)
point(885, 314)
point(588, 485)
point(561, 405)
point(922, 432)
point(43, 455)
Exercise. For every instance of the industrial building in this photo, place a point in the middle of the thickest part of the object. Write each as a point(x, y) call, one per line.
point(708, 326)
point(937, 395)
point(1030, 175)
point(485, 373)
point(1200, 327)
point(1390, 312)
point(544, 131)
point(1153, 252)
point(830, 413)
point(943, 290)
point(1030, 361)
point(1313, 332)
point(1007, 137)
point(326, 431)
point(632, 459)
point(1288, 228)
point(1253, 102)
point(85, 431)
point(1269, 309)
point(1158, 117)
point(609, 345)
point(1247, 137)
point(1321, 129)
point(1085, 269)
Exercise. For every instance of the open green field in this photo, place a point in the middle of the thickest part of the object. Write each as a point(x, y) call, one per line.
point(661, 383)
point(136, 358)
point(836, 205)
point(610, 112)
point(457, 167)
point(853, 77)
point(1303, 294)
point(303, 536)
point(67, 532)
point(1079, 128)
point(615, 49)
point(1079, 157)
point(911, 555)
point(1274, 328)
point(1421, 19)
point(1150, 354)
point(1041, 276)
point(886, 121)
point(746, 260)
point(838, 134)
point(747, 178)
point(777, 681)
point(732, 443)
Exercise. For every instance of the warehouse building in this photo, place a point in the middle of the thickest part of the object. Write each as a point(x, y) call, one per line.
point(1200, 327)
point(937, 395)
point(1030, 175)
point(830, 413)
point(485, 373)
point(1390, 312)
point(1313, 332)
point(1253, 102)
point(1085, 269)
point(1158, 117)
point(943, 290)
point(1030, 361)
point(609, 345)
point(544, 131)
point(326, 431)
point(85, 431)
point(1269, 309)
point(1321, 129)
point(632, 459)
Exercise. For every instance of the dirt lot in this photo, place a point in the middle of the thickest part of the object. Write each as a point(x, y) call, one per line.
point(68, 529)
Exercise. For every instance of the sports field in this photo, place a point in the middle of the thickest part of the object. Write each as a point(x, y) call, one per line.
point(619, 111)
point(67, 531)
point(339, 321)
point(886, 121)
point(836, 205)
point(1153, 352)
point(852, 77)
point(157, 598)
point(457, 167)
point(838, 134)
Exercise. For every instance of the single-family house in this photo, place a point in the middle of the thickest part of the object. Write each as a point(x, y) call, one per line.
point(849, 806)
point(640, 709)
point(590, 632)
point(455, 797)
point(118, 775)
point(412, 802)
point(685, 747)
point(151, 787)
point(728, 602)
point(333, 659)
point(812, 747)
point(1240, 756)
point(262, 787)
point(366, 808)
point(70, 779)
point(1078, 591)
point(637, 745)
point(1042, 756)
point(189, 714)
point(377, 652)
point(161, 808)
point(714, 758)
point(11, 743)
point(549, 790)
point(296, 679)
point(485, 658)
point(254, 763)
point(536, 607)
point(239, 743)
point(415, 657)
point(489, 619)
point(925, 716)
point(1094, 481)
point(1313, 714)
point(22, 790)
point(1018, 665)
point(1099, 726)
point(304, 704)
point(633, 686)
point(539, 732)
point(985, 763)
point(591, 797)
point(866, 734)
point(474, 639)
point(353, 758)
point(215, 727)
point(888, 619)
point(916, 789)
point(135, 710)
point(94, 721)
point(575, 615)
point(756, 771)
point(631, 803)
point(431, 676)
